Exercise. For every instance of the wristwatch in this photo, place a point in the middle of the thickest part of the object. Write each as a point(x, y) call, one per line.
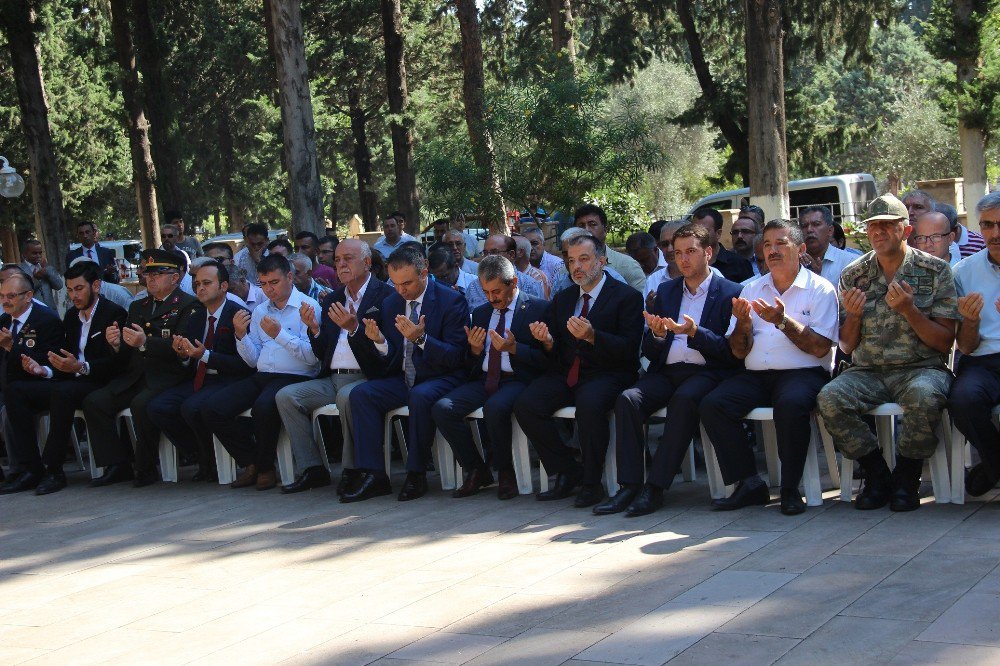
point(421, 340)
point(783, 323)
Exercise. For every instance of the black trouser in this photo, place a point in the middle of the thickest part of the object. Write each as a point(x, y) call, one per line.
point(179, 413)
point(107, 445)
point(679, 387)
point(449, 416)
point(974, 394)
point(60, 398)
point(594, 396)
point(792, 395)
point(254, 441)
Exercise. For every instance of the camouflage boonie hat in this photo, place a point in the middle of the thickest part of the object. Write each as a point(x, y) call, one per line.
point(886, 207)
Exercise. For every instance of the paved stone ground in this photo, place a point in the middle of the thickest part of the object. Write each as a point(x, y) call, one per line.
point(196, 573)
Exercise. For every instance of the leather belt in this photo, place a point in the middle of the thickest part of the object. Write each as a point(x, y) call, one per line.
point(344, 371)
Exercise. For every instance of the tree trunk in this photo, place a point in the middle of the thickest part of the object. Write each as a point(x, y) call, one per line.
point(363, 162)
point(217, 219)
point(158, 108)
point(19, 22)
point(972, 140)
point(305, 192)
point(143, 170)
point(734, 134)
point(561, 17)
point(400, 124)
point(235, 209)
point(479, 134)
point(766, 105)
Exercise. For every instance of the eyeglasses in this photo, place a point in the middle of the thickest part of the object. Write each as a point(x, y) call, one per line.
point(166, 235)
point(986, 225)
point(933, 238)
point(10, 297)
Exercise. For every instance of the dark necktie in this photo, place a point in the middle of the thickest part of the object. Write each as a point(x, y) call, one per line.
point(573, 378)
point(493, 359)
point(409, 369)
point(199, 375)
point(14, 324)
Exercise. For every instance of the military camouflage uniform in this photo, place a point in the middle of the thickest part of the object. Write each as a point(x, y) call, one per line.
point(890, 363)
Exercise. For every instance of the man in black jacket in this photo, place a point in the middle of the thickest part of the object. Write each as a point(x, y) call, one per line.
point(347, 356)
point(593, 344)
point(503, 359)
point(208, 348)
point(28, 332)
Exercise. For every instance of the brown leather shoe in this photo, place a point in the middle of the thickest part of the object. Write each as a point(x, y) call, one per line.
point(267, 480)
point(506, 484)
point(476, 479)
point(246, 479)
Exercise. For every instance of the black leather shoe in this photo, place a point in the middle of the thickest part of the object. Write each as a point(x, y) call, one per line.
point(625, 495)
point(563, 487)
point(206, 475)
point(145, 478)
point(414, 487)
point(20, 483)
point(113, 474)
point(369, 485)
point(979, 481)
point(648, 501)
point(51, 483)
point(313, 477)
point(791, 502)
point(474, 480)
point(589, 495)
point(743, 496)
point(349, 480)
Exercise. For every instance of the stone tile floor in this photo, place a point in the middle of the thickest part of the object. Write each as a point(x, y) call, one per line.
point(186, 573)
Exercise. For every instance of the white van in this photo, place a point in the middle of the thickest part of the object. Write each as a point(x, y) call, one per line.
point(848, 195)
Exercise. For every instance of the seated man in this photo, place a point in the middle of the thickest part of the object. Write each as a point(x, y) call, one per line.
point(596, 328)
point(593, 219)
point(688, 357)
point(898, 311)
point(28, 333)
point(208, 348)
point(441, 262)
point(421, 339)
point(144, 348)
point(302, 266)
point(498, 244)
point(503, 359)
point(976, 390)
point(932, 234)
point(784, 325)
point(348, 357)
point(732, 266)
point(273, 340)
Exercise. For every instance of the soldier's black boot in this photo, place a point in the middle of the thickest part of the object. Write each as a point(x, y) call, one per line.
point(877, 486)
point(906, 484)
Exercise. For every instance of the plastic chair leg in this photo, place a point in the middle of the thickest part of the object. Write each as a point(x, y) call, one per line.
point(770, 437)
point(286, 462)
point(688, 471)
point(716, 486)
point(225, 464)
point(611, 463)
point(522, 459)
point(168, 460)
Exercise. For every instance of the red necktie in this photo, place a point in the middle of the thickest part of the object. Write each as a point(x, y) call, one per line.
point(573, 378)
point(493, 359)
point(199, 375)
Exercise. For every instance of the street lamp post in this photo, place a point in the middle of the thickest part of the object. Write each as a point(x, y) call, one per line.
point(11, 183)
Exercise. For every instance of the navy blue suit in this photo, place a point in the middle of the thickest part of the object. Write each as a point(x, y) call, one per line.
point(677, 386)
point(527, 363)
point(607, 367)
point(324, 344)
point(178, 411)
point(439, 365)
point(105, 258)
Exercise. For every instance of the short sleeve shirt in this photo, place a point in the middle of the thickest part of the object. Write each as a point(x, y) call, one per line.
point(887, 339)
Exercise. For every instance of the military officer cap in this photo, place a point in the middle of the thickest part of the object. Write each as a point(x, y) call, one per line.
point(886, 207)
point(161, 261)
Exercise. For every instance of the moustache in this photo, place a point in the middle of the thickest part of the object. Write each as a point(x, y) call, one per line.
point(774, 256)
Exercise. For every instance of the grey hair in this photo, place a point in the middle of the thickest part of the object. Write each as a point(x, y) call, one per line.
point(824, 212)
point(794, 230)
point(494, 267)
point(198, 262)
point(919, 193)
point(600, 249)
point(523, 244)
point(366, 249)
point(237, 273)
point(299, 262)
point(80, 260)
point(672, 225)
point(990, 202)
point(171, 226)
point(573, 232)
point(533, 230)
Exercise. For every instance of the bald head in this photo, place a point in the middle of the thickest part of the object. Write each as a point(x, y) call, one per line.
point(932, 234)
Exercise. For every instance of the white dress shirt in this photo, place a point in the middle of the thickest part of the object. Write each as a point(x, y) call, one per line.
point(835, 261)
point(505, 365)
point(289, 352)
point(811, 301)
point(692, 305)
point(343, 356)
point(594, 293)
point(383, 347)
point(204, 335)
point(655, 279)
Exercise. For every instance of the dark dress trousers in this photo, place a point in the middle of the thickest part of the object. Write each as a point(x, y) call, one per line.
point(105, 259)
point(974, 394)
point(146, 374)
point(177, 411)
point(607, 367)
point(527, 363)
point(677, 386)
point(439, 368)
point(41, 333)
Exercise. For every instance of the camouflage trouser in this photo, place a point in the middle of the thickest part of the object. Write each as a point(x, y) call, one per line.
point(921, 392)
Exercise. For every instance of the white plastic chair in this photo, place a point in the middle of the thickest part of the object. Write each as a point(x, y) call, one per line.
point(519, 448)
point(328, 410)
point(167, 451)
point(961, 457)
point(226, 466)
point(444, 460)
point(42, 433)
point(610, 461)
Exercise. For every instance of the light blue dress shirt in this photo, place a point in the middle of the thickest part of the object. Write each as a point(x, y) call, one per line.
point(289, 352)
point(976, 273)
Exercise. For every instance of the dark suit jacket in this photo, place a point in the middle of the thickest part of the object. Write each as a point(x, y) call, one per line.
point(106, 259)
point(446, 314)
point(530, 360)
point(224, 356)
point(41, 333)
point(158, 366)
point(101, 357)
point(616, 316)
point(324, 344)
point(710, 337)
point(732, 266)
